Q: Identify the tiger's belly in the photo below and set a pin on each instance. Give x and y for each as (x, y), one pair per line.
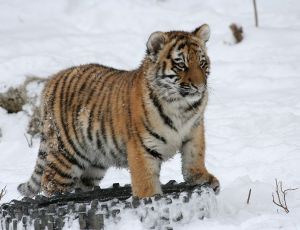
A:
(108, 153)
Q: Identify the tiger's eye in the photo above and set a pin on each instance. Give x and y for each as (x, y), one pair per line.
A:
(181, 65)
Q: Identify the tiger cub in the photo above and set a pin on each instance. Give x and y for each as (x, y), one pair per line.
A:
(95, 117)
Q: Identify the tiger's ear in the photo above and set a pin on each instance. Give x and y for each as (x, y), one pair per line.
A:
(155, 42)
(202, 32)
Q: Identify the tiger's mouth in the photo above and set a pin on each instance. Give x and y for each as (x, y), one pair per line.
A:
(190, 90)
(186, 91)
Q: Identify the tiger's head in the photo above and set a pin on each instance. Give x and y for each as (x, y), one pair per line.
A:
(180, 65)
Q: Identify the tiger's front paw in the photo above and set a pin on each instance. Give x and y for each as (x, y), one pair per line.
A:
(206, 179)
(214, 183)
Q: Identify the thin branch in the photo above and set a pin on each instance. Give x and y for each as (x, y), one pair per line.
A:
(290, 189)
(277, 192)
(29, 142)
(255, 13)
(249, 195)
(281, 196)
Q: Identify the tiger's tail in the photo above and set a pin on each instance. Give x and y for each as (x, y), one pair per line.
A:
(33, 185)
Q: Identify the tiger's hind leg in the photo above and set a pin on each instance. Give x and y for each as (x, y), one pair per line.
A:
(91, 177)
(62, 169)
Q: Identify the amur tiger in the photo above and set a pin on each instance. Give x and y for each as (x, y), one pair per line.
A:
(95, 117)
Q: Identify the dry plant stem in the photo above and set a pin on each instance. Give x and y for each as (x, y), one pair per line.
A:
(237, 32)
(249, 195)
(14, 98)
(281, 196)
(29, 142)
(255, 13)
(3, 192)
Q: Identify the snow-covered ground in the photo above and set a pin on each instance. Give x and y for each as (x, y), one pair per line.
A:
(253, 116)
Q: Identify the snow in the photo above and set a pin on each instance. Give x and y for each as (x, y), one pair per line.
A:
(253, 115)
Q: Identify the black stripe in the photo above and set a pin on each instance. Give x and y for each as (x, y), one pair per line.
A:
(171, 50)
(63, 101)
(184, 142)
(98, 166)
(34, 180)
(145, 111)
(146, 123)
(89, 128)
(39, 169)
(152, 152)
(74, 114)
(162, 85)
(111, 111)
(99, 144)
(103, 117)
(108, 109)
(112, 153)
(182, 45)
(164, 68)
(94, 78)
(71, 93)
(193, 44)
(152, 133)
(81, 71)
(128, 108)
(194, 105)
(59, 171)
(71, 143)
(157, 104)
(42, 154)
(103, 129)
(60, 160)
(68, 156)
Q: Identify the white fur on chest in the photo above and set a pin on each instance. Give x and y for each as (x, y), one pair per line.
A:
(173, 138)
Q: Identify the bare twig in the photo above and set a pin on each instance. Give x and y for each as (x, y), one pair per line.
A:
(3, 192)
(29, 141)
(255, 13)
(249, 195)
(281, 196)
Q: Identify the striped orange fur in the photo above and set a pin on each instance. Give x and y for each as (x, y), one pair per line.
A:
(95, 117)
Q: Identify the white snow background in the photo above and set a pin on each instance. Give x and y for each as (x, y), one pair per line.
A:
(253, 114)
